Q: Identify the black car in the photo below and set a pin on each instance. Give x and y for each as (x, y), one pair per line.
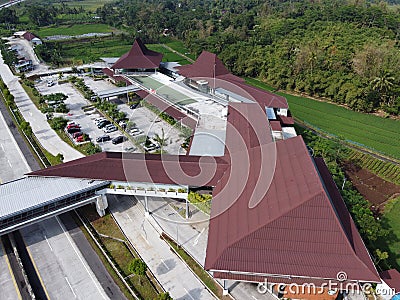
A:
(103, 124)
(103, 138)
(119, 139)
(133, 106)
(73, 130)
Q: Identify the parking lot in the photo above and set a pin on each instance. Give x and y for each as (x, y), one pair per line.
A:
(75, 102)
(145, 120)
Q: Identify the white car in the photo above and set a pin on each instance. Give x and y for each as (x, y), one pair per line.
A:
(110, 128)
(135, 131)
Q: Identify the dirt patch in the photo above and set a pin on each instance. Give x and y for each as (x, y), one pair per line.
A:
(375, 189)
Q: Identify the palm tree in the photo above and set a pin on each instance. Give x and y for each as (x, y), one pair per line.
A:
(383, 85)
(161, 140)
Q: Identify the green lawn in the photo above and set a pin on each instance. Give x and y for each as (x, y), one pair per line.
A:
(87, 5)
(369, 131)
(180, 47)
(77, 29)
(391, 243)
(168, 55)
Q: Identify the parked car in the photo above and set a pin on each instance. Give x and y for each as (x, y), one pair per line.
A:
(73, 130)
(119, 139)
(133, 106)
(103, 124)
(77, 134)
(110, 128)
(73, 126)
(50, 83)
(135, 131)
(103, 138)
(98, 120)
(150, 147)
(80, 139)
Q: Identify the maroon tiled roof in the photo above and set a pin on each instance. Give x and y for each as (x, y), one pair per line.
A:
(117, 78)
(138, 167)
(391, 278)
(208, 66)
(139, 57)
(271, 214)
(29, 36)
(275, 212)
(286, 120)
(275, 125)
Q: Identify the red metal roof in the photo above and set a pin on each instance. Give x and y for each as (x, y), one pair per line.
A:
(275, 125)
(274, 211)
(271, 214)
(29, 36)
(208, 66)
(391, 278)
(139, 57)
(138, 167)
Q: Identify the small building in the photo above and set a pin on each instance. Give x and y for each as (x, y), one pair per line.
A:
(138, 59)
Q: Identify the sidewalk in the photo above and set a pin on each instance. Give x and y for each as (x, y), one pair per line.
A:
(170, 271)
(42, 130)
(192, 236)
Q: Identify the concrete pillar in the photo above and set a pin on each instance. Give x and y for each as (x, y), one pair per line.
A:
(146, 207)
(225, 291)
(101, 205)
(187, 209)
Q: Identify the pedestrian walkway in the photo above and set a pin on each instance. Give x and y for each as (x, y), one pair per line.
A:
(47, 137)
(192, 235)
(170, 271)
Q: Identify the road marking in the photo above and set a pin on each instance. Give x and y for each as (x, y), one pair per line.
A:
(48, 243)
(80, 258)
(164, 263)
(147, 242)
(254, 298)
(129, 218)
(30, 113)
(70, 286)
(196, 241)
(2, 147)
(11, 272)
(188, 293)
(36, 269)
(9, 163)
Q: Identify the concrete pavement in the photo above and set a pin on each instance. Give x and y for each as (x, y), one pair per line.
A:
(192, 235)
(63, 270)
(9, 289)
(170, 271)
(46, 136)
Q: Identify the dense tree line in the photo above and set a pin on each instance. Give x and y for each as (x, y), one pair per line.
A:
(345, 51)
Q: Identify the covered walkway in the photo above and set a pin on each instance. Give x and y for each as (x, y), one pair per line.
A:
(106, 94)
(31, 199)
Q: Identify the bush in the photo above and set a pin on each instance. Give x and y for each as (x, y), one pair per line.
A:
(58, 123)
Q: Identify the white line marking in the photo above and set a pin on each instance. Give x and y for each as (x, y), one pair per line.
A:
(188, 293)
(80, 258)
(2, 147)
(197, 238)
(9, 163)
(145, 239)
(129, 218)
(254, 298)
(70, 286)
(48, 243)
(164, 263)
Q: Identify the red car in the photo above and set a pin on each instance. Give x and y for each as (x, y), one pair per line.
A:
(80, 138)
(73, 126)
(77, 134)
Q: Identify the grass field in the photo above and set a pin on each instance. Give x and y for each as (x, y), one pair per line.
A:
(168, 54)
(391, 243)
(89, 5)
(73, 29)
(180, 47)
(369, 131)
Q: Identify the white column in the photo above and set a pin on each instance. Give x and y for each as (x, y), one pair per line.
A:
(101, 205)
